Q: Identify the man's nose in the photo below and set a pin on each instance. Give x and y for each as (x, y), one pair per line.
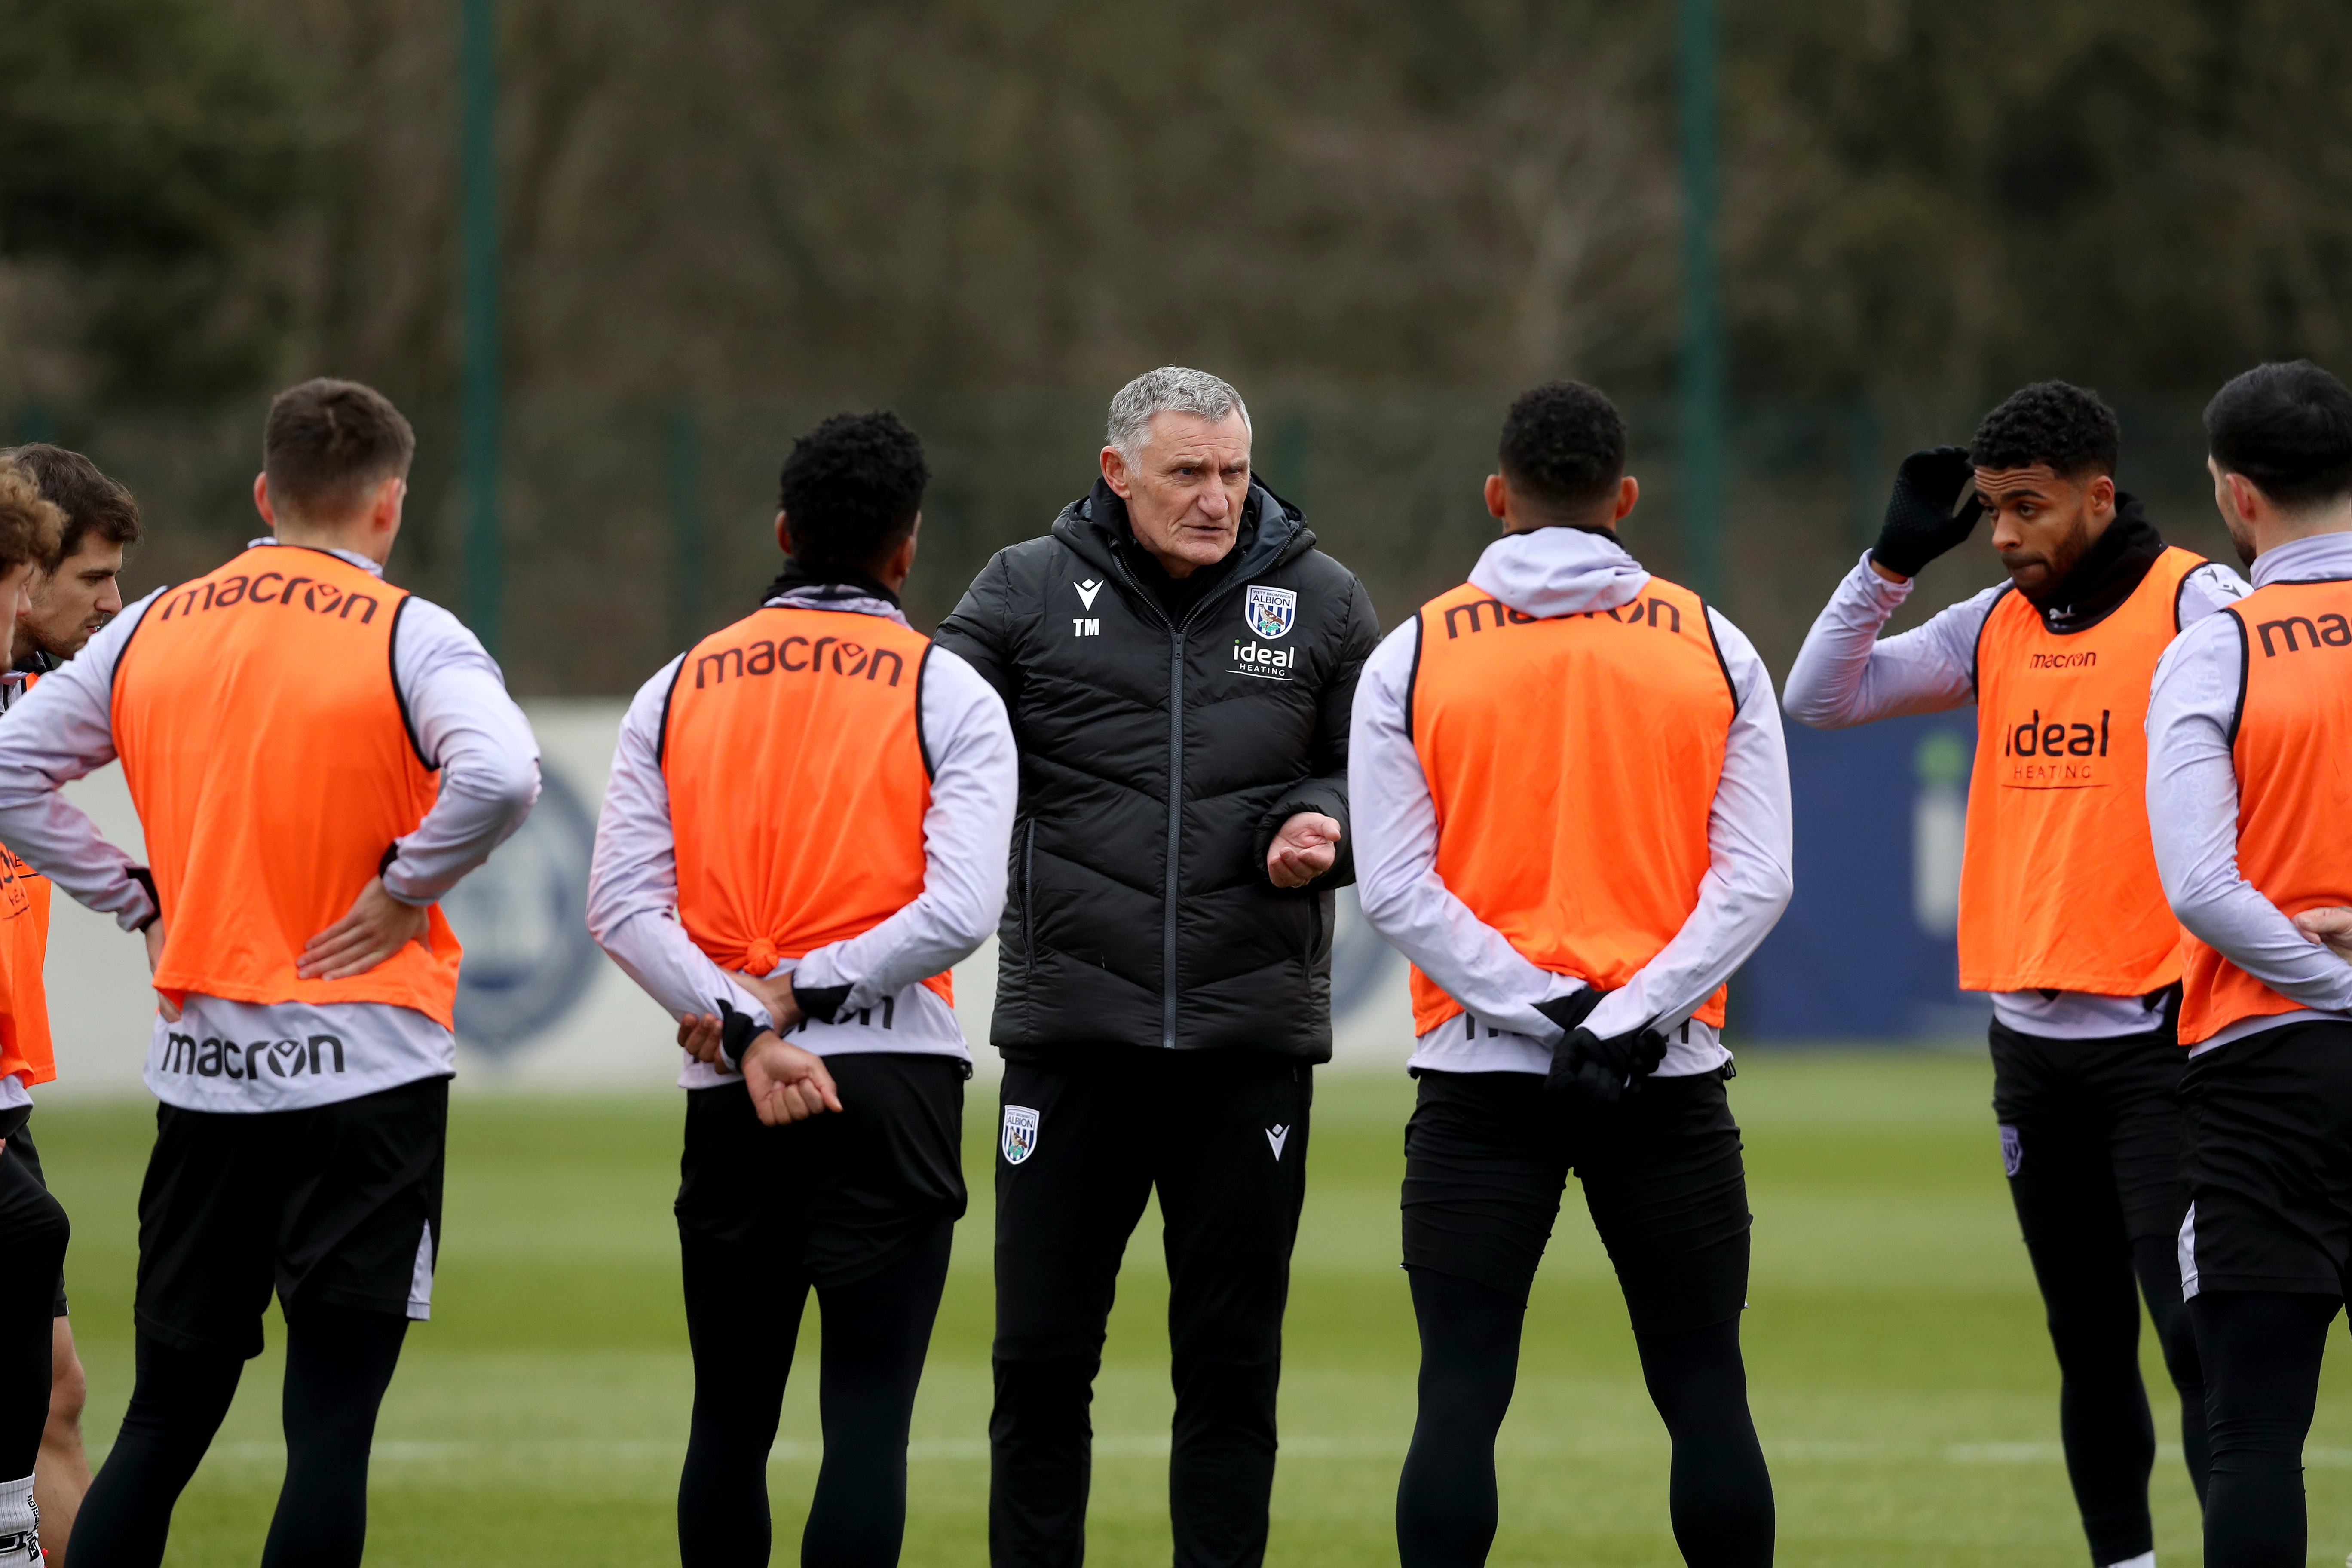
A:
(2006, 534)
(1216, 503)
(110, 598)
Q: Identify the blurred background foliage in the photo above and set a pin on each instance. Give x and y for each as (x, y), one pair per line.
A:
(1380, 217)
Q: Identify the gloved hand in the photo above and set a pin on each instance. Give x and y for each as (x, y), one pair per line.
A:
(1590, 1067)
(1934, 507)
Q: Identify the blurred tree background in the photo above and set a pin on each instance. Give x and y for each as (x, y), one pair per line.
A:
(723, 218)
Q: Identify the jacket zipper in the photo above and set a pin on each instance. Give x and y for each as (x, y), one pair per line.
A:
(1177, 634)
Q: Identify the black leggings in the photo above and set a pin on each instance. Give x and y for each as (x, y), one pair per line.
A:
(34, 1229)
(338, 1364)
(2262, 1353)
(1721, 1495)
(876, 1330)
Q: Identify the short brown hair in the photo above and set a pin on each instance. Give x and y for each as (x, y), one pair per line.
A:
(327, 441)
(29, 522)
(91, 502)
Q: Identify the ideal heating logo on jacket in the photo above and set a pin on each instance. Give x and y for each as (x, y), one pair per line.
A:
(2047, 751)
(226, 1058)
(765, 658)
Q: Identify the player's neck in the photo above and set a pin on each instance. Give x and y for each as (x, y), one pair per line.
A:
(360, 537)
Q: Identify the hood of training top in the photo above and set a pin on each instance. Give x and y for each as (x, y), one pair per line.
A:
(1160, 750)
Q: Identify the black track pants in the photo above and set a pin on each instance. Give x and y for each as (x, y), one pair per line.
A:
(1720, 1493)
(33, 1231)
(338, 1364)
(2090, 1133)
(2262, 1353)
(743, 1320)
(1222, 1137)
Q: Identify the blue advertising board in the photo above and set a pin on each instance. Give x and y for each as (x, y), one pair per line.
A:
(1866, 950)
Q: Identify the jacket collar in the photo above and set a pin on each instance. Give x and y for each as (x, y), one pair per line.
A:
(2107, 574)
(1096, 530)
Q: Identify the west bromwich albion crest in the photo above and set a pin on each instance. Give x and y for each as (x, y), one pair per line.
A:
(1270, 611)
(1020, 1133)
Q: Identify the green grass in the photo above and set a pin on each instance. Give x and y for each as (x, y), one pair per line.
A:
(1901, 1379)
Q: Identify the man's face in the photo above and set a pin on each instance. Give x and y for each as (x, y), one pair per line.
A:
(1185, 491)
(64, 608)
(2043, 522)
(2241, 530)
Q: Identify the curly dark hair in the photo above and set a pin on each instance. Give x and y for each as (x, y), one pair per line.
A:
(2052, 422)
(1563, 447)
(851, 488)
(2287, 427)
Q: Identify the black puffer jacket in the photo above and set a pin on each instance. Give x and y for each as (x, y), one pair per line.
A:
(1157, 761)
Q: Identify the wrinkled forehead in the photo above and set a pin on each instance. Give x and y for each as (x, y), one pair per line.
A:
(1187, 438)
(2036, 479)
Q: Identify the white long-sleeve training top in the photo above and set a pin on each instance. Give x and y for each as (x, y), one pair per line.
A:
(1548, 572)
(967, 835)
(2192, 807)
(1845, 675)
(247, 1057)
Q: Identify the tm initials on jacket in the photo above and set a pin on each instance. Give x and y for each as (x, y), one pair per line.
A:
(1159, 752)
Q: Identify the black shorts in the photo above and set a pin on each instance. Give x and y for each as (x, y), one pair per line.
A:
(2266, 1161)
(1487, 1156)
(2082, 1118)
(337, 1204)
(844, 1194)
(20, 1144)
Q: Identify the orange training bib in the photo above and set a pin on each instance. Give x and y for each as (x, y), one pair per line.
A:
(1573, 762)
(2294, 783)
(2058, 883)
(793, 750)
(271, 759)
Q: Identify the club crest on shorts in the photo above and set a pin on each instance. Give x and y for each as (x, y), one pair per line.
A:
(1020, 1133)
(1270, 611)
(2013, 1152)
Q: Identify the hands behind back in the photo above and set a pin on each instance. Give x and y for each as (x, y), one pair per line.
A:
(787, 1083)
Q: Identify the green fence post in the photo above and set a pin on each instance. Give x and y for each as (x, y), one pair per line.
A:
(689, 563)
(479, 156)
(1702, 349)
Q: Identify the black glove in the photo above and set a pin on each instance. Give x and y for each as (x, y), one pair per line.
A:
(1934, 507)
(1592, 1068)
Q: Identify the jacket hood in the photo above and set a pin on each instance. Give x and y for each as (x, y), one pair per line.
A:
(1548, 572)
(1271, 531)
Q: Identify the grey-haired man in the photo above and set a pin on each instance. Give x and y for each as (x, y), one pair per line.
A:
(1179, 661)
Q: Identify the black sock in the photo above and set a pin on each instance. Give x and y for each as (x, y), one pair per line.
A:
(876, 1332)
(338, 1364)
(2156, 1260)
(2261, 1351)
(177, 1402)
(1721, 1493)
(1469, 1361)
(34, 1230)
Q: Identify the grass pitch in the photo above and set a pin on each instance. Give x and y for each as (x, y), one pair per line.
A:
(1901, 1379)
